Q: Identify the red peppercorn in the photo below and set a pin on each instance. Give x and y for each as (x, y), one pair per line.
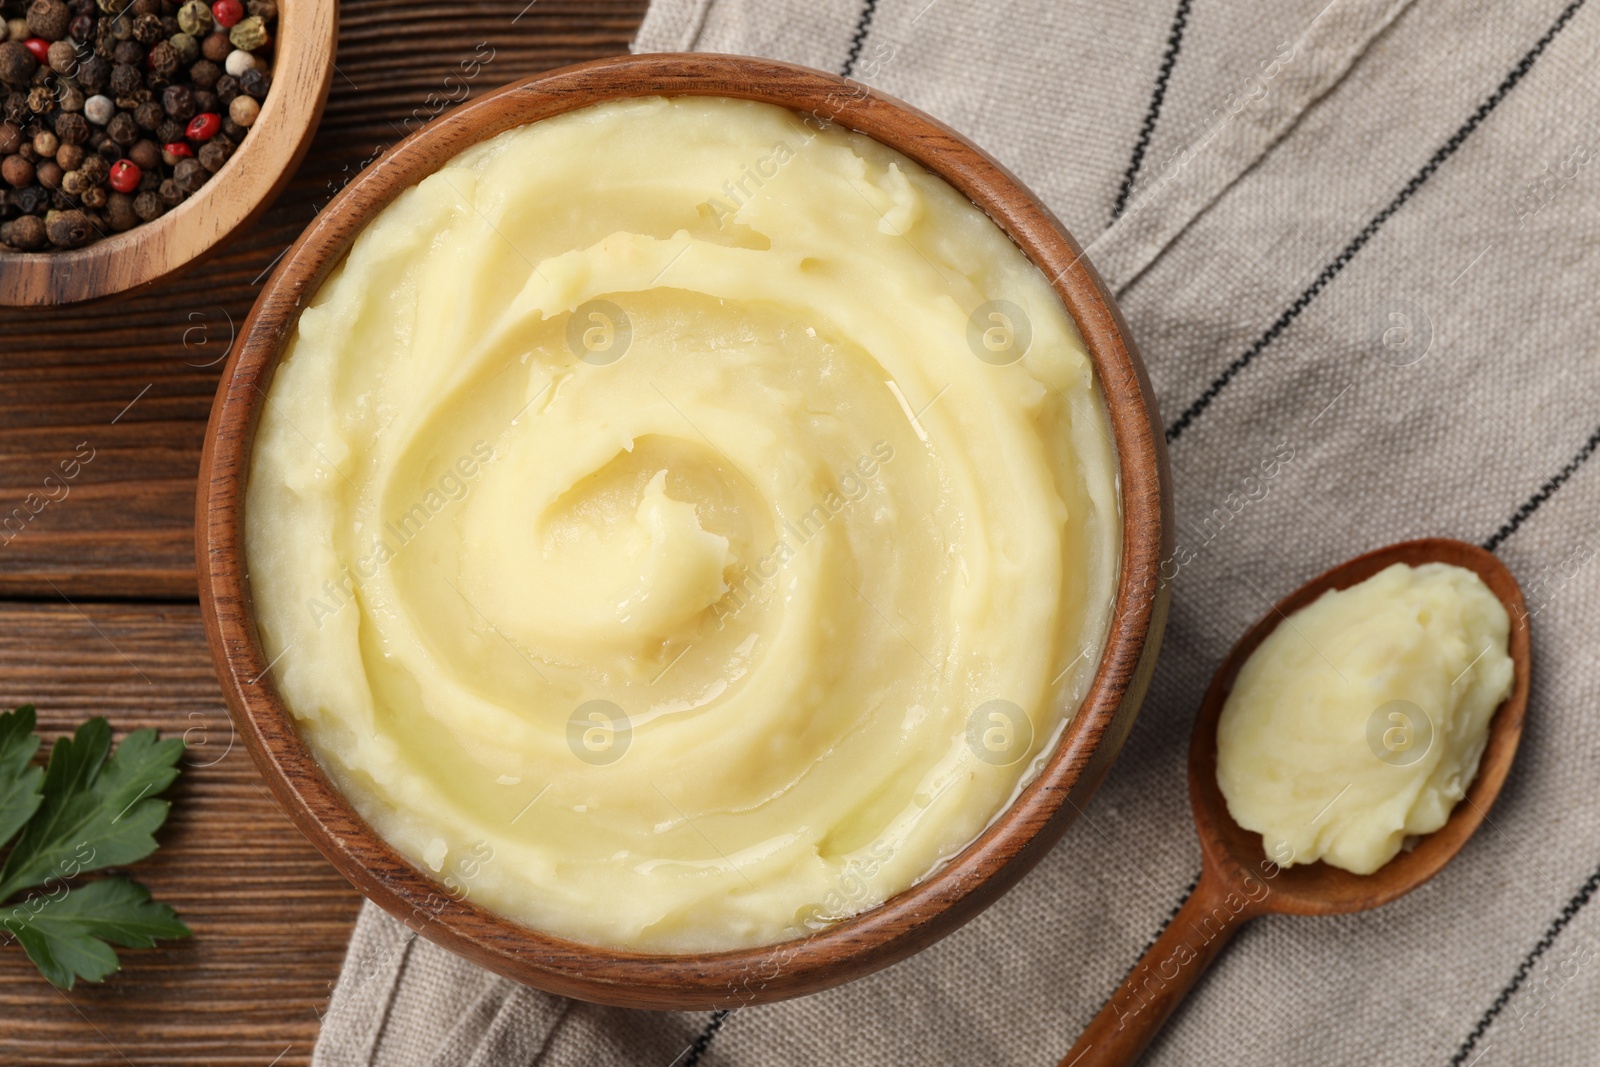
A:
(125, 175)
(177, 148)
(227, 12)
(205, 125)
(41, 47)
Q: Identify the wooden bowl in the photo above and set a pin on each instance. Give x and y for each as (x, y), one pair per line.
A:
(302, 72)
(907, 922)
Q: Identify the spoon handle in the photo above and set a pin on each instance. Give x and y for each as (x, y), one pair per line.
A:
(1153, 989)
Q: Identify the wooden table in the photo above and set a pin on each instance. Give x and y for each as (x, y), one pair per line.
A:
(97, 591)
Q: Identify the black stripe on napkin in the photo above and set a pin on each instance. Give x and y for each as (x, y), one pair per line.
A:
(863, 24)
(703, 1042)
(1569, 911)
(1157, 96)
(1546, 491)
(1359, 241)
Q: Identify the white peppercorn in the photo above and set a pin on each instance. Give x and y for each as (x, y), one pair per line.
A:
(238, 62)
(99, 109)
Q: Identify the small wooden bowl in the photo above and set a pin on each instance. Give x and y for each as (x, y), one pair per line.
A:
(302, 72)
(906, 923)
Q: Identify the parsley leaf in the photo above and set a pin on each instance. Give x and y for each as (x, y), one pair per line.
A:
(66, 937)
(19, 783)
(97, 812)
(89, 808)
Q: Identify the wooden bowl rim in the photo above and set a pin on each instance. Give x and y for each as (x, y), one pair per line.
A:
(155, 250)
(938, 904)
(1320, 888)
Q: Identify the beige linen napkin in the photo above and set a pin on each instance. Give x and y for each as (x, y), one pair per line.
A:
(1365, 234)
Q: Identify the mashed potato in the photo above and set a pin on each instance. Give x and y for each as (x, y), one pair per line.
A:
(680, 526)
(1360, 720)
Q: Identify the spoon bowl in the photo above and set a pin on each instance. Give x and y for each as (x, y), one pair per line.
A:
(1238, 880)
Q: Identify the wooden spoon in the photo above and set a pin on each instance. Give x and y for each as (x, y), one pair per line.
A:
(1238, 881)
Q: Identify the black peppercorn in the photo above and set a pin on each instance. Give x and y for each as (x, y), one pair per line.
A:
(120, 213)
(146, 153)
(169, 131)
(205, 74)
(81, 27)
(170, 193)
(41, 99)
(94, 74)
(129, 52)
(125, 80)
(205, 100)
(32, 200)
(72, 128)
(17, 64)
(10, 138)
(149, 115)
(123, 129)
(144, 7)
(255, 83)
(121, 29)
(214, 153)
(150, 179)
(15, 108)
(147, 29)
(263, 9)
(227, 89)
(48, 19)
(178, 102)
(96, 169)
(232, 129)
(149, 205)
(190, 175)
(169, 26)
(68, 229)
(109, 151)
(163, 62)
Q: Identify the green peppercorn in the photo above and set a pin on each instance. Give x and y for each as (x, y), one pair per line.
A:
(186, 47)
(194, 18)
(248, 34)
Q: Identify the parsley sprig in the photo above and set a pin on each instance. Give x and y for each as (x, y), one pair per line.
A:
(89, 808)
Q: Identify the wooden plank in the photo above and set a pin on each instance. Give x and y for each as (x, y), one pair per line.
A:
(132, 378)
(271, 918)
